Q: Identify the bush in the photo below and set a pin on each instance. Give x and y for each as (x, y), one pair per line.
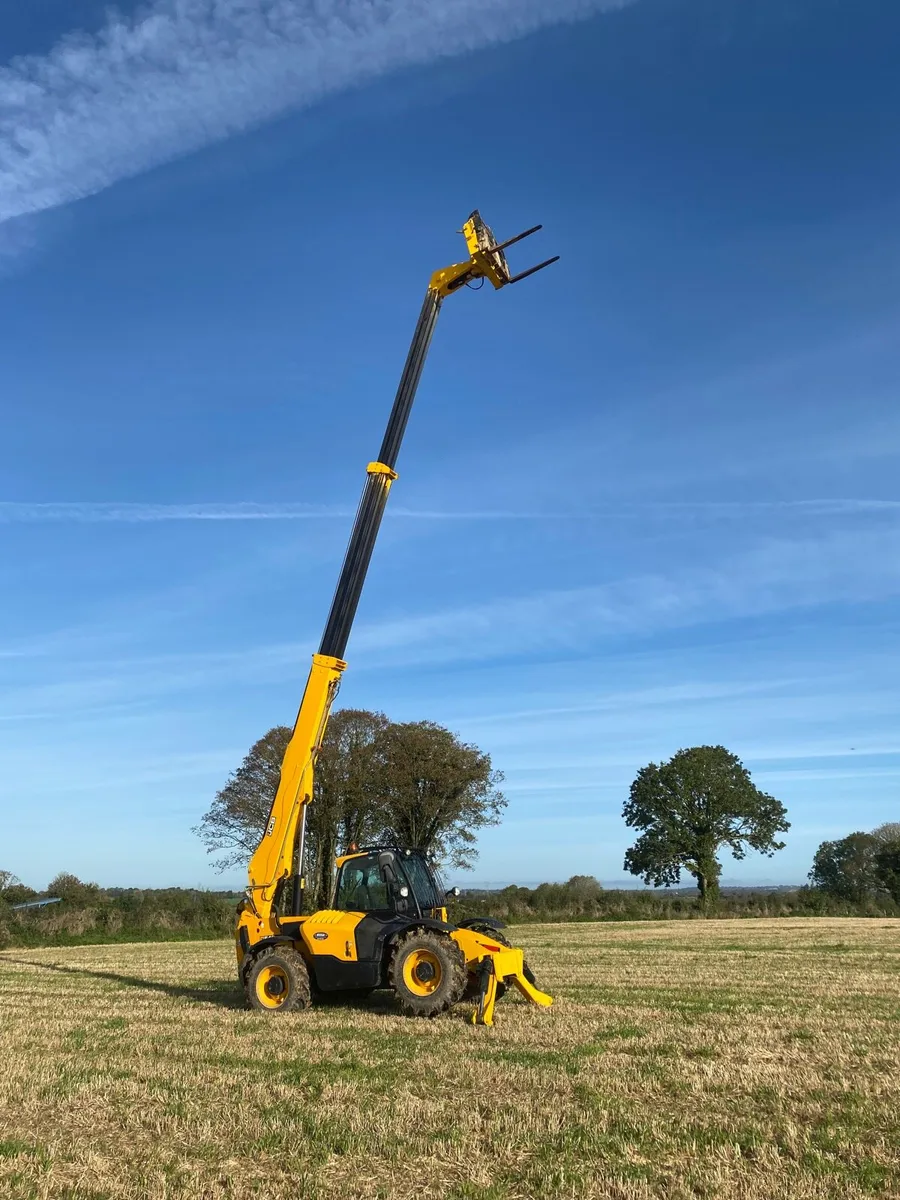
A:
(73, 891)
(89, 914)
(574, 901)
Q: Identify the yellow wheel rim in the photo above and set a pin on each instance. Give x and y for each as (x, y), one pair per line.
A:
(272, 987)
(422, 972)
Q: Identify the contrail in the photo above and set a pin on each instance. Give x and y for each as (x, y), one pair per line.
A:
(12, 511)
(69, 511)
(181, 74)
(135, 513)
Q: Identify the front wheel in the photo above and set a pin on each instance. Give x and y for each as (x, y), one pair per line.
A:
(278, 981)
(427, 973)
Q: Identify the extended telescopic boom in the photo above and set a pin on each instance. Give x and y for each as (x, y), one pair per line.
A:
(282, 845)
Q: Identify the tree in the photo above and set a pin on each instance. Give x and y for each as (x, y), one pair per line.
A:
(689, 808)
(887, 867)
(234, 822)
(585, 887)
(416, 784)
(846, 868)
(13, 891)
(888, 832)
(70, 888)
(343, 809)
(436, 790)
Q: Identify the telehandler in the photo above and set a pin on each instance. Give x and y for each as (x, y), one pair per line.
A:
(388, 924)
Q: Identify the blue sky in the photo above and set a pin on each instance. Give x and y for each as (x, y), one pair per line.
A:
(648, 499)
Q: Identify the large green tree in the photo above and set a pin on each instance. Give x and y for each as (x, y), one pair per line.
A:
(887, 868)
(343, 808)
(692, 806)
(845, 868)
(415, 784)
(435, 790)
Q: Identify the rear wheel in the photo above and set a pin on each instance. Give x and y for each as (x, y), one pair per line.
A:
(278, 981)
(427, 973)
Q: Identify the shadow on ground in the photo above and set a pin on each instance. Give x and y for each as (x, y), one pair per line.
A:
(224, 994)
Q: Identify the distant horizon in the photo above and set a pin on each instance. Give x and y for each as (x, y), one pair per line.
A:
(463, 884)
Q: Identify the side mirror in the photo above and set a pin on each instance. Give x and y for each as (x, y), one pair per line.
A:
(452, 894)
(386, 860)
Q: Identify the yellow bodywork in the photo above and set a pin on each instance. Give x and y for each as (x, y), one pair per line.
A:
(273, 858)
(506, 964)
(336, 930)
(273, 862)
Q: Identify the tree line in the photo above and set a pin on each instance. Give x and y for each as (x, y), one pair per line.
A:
(418, 784)
(91, 915)
(860, 866)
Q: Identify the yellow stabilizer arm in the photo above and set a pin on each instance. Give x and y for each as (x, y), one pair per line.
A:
(508, 966)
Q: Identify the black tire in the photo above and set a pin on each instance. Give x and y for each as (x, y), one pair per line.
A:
(278, 981)
(427, 972)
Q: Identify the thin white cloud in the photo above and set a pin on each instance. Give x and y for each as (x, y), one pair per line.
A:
(131, 513)
(105, 512)
(181, 74)
(779, 575)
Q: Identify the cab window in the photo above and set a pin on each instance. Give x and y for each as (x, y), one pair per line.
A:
(361, 886)
(422, 882)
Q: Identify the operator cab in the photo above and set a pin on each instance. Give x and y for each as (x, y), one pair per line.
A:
(386, 880)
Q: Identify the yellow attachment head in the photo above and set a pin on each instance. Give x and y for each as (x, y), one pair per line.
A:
(486, 259)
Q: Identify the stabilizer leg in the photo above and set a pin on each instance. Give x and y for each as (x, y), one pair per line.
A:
(530, 992)
(487, 996)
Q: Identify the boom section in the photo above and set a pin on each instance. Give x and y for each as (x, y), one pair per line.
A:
(274, 857)
(281, 850)
(381, 474)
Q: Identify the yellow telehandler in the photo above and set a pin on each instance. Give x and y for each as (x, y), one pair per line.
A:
(388, 924)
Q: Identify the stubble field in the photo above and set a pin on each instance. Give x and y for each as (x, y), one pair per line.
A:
(732, 1060)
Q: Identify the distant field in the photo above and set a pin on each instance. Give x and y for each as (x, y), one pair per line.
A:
(722, 1060)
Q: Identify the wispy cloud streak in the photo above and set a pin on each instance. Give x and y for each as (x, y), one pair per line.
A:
(129, 512)
(181, 74)
(137, 513)
(852, 567)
